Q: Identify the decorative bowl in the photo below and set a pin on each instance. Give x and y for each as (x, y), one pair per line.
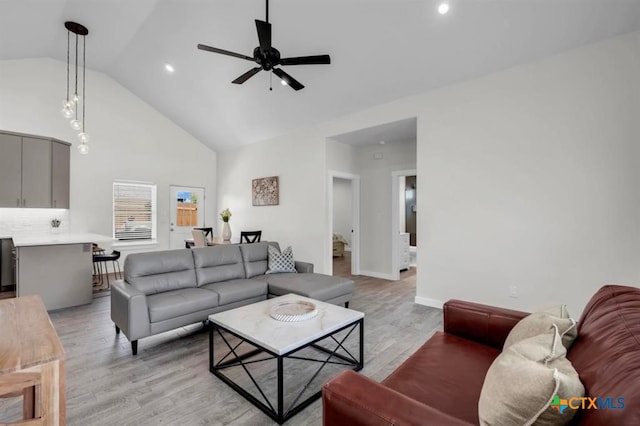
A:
(293, 311)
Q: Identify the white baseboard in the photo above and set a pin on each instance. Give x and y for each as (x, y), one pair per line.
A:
(433, 303)
(380, 275)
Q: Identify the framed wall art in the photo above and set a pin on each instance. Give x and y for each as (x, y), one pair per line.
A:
(265, 191)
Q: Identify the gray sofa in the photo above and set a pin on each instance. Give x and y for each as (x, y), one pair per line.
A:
(164, 290)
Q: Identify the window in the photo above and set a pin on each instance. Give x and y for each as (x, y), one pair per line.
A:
(134, 211)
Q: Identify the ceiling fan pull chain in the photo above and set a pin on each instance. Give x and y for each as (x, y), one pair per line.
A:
(270, 78)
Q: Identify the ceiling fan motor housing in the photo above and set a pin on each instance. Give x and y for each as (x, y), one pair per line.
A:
(266, 59)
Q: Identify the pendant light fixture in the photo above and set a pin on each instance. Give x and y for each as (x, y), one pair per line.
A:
(71, 105)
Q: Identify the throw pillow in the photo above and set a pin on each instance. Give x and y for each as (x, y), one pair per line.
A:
(280, 262)
(541, 322)
(530, 382)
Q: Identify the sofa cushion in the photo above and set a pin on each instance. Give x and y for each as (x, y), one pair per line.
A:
(540, 322)
(255, 257)
(607, 354)
(532, 381)
(236, 290)
(175, 303)
(280, 262)
(217, 263)
(445, 373)
(316, 286)
(160, 271)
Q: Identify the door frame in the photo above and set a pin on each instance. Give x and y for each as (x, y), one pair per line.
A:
(355, 221)
(204, 197)
(395, 219)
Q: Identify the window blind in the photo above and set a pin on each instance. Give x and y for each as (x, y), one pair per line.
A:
(134, 211)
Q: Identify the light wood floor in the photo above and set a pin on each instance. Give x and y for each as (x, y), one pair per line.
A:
(169, 381)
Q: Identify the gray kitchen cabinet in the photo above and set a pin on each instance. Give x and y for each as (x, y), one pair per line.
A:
(10, 170)
(60, 154)
(34, 171)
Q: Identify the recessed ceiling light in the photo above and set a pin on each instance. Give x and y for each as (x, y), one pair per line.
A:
(169, 68)
(284, 83)
(381, 142)
(443, 8)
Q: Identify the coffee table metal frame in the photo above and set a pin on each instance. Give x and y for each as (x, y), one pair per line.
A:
(279, 413)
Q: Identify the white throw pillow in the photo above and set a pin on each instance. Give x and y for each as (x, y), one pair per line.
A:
(528, 384)
(540, 322)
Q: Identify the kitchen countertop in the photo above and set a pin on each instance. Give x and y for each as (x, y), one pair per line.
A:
(57, 239)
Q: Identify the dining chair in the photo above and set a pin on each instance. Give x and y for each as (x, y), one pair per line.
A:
(199, 238)
(208, 232)
(250, 236)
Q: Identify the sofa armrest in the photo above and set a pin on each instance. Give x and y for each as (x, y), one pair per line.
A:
(304, 267)
(129, 310)
(353, 399)
(489, 325)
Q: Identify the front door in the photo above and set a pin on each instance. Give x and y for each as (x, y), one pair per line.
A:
(187, 212)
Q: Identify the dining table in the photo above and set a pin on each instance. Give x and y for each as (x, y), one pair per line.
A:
(216, 241)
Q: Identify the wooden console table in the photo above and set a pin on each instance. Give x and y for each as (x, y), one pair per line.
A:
(32, 361)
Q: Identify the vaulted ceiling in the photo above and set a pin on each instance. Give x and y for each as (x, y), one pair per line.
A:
(381, 50)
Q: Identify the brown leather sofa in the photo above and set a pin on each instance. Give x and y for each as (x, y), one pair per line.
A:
(440, 383)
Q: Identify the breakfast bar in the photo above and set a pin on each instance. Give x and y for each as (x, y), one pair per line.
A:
(57, 267)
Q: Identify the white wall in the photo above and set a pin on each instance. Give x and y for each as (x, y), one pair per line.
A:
(376, 202)
(529, 178)
(341, 157)
(342, 209)
(375, 194)
(299, 220)
(129, 140)
(526, 177)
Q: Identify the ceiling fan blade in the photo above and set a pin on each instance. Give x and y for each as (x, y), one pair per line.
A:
(307, 60)
(223, 52)
(295, 84)
(264, 35)
(247, 75)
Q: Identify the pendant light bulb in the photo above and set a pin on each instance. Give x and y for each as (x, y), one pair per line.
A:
(83, 148)
(84, 137)
(75, 99)
(75, 124)
(67, 112)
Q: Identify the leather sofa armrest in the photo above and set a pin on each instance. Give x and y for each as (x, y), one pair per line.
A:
(353, 399)
(489, 325)
(304, 267)
(129, 310)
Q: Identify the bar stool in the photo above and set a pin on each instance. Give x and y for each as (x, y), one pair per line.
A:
(98, 259)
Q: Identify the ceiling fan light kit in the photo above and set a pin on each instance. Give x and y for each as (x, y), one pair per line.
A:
(268, 57)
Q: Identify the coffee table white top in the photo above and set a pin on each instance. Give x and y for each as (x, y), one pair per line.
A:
(254, 323)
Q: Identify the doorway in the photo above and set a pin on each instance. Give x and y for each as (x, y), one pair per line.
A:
(403, 220)
(187, 212)
(344, 223)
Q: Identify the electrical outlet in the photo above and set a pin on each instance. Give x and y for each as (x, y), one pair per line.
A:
(513, 291)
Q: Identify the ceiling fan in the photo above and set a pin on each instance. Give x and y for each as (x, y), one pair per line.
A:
(268, 57)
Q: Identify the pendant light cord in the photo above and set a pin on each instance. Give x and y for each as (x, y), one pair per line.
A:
(84, 93)
(68, 42)
(76, 92)
(76, 109)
